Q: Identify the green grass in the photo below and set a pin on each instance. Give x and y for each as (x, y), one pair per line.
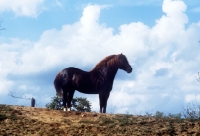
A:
(6, 112)
(105, 121)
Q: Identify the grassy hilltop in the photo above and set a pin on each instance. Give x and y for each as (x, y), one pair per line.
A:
(21, 120)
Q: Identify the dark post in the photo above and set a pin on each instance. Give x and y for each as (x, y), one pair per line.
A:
(32, 102)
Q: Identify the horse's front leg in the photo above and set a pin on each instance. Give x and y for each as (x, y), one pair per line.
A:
(100, 103)
(103, 98)
(100, 108)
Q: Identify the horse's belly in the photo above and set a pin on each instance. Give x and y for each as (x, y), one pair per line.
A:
(88, 91)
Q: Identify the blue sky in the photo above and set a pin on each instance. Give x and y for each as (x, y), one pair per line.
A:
(159, 37)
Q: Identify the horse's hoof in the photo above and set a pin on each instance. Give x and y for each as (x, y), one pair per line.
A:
(68, 109)
(64, 109)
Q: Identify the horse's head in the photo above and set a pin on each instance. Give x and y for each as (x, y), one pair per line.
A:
(123, 63)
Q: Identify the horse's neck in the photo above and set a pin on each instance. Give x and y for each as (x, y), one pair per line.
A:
(109, 72)
(113, 72)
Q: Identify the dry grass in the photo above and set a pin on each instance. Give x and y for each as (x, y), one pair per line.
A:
(19, 120)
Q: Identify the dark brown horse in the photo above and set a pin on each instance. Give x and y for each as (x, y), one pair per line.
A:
(97, 81)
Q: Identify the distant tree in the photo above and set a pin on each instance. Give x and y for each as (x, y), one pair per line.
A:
(78, 104)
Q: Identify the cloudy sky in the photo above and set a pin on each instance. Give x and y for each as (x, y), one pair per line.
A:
(159, 37)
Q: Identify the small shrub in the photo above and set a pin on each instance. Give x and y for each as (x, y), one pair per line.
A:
(148, 114)
(192, 112)
(159, 115)
(175, 116)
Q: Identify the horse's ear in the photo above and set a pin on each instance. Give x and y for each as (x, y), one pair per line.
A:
(121, 54)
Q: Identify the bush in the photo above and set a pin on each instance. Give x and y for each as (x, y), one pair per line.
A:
(56, 103)
(78, 104)
(81, 104)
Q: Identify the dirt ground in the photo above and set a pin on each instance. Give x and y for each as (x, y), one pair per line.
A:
(21, 120)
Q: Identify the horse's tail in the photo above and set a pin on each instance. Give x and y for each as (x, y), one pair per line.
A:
(58, 85)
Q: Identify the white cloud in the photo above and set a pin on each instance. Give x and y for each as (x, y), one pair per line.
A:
(90, 15)
(164, 58)
(29, 8)
(170, 27)
(5, 86)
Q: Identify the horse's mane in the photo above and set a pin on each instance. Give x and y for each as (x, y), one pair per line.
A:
(108, 61)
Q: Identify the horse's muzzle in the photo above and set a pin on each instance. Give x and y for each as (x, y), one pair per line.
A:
(129, 70)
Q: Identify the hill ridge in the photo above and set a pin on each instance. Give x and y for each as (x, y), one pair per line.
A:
(22, 120)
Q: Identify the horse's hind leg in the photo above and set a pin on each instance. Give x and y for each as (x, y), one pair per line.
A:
(68, 94)
(69, 99)
(64, 99)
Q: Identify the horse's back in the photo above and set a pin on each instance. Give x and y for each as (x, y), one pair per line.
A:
(68, 76)
(68, 73)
